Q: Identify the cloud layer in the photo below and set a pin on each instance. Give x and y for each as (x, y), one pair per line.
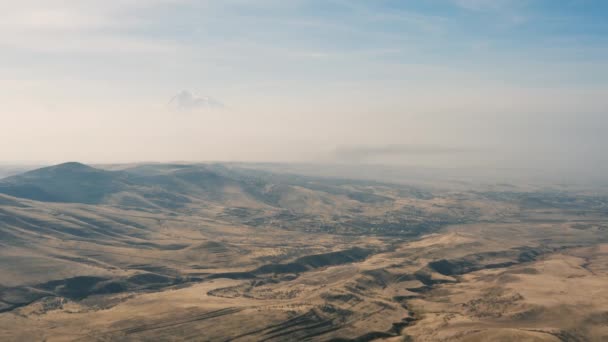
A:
(366, 153)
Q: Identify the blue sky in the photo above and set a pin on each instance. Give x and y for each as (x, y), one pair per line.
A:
(298, 80)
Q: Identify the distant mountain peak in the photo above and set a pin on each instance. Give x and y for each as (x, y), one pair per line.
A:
(72, 166)
(65, 169)
(67, 182)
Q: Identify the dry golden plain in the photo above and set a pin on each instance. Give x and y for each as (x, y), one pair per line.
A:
(252, 258)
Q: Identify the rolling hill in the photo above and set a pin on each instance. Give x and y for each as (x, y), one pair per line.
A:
(180, 251)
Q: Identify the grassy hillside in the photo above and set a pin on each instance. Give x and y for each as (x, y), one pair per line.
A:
(178, 251)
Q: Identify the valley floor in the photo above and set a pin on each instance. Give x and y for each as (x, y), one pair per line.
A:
(467, 283)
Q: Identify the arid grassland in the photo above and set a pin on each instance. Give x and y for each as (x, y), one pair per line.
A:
(212, 252)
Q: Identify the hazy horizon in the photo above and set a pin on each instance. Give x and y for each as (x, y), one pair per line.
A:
(455, 83)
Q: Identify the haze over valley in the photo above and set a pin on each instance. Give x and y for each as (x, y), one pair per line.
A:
(304, 170)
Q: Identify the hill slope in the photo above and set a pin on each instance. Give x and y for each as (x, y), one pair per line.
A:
(68, 182)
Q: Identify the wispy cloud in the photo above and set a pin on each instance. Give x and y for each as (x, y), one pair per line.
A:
(79, 27)
(187, 101)
(481, 5)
